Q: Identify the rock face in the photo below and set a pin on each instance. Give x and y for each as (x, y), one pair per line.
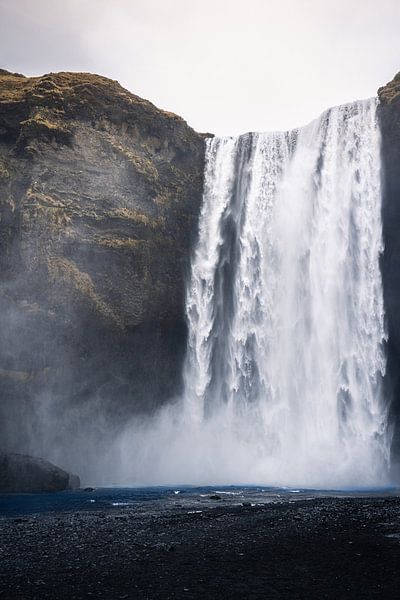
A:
(99, 197)
(20, 473)
(389, 114)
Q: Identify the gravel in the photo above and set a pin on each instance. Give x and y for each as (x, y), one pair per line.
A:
(317, 548)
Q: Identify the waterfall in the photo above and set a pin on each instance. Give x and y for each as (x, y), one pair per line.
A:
(285, 359)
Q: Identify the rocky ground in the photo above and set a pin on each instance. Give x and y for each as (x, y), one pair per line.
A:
(316, 548)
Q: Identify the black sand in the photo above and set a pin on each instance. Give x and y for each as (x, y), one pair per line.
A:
(321, 548)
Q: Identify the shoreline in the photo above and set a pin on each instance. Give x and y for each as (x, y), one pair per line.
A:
(324, 547)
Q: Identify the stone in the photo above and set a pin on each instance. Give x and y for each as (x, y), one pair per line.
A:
(99, 197)
(389, 117)
(20, 473)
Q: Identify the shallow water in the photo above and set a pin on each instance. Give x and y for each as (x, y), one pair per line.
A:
(155, 498)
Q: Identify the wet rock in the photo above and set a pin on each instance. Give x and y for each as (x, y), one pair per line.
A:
(245, 554)
(389, 117)
(22, 473)
(21, 520)
(99, 197)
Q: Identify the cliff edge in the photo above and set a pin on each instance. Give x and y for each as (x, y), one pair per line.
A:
(389, 116)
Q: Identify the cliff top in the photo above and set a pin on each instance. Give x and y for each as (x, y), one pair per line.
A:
(73, 95)
(390, 93)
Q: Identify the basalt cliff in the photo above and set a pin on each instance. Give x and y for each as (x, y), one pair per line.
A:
(389, 116)
(99, 197)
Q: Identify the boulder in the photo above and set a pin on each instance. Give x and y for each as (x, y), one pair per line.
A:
(22, 473)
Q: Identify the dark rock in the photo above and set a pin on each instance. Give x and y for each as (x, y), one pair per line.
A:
(21, 473)
(99, 197)
(389, 116)
(215, 497)
(258, 554)
(89, 489)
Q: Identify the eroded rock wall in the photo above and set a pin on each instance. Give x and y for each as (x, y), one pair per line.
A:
(99, 197)
(389, 115)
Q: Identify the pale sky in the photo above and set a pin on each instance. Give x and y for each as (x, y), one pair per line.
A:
(225, 66)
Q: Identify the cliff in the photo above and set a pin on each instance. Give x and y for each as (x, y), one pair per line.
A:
(99, 197)
(389, 115)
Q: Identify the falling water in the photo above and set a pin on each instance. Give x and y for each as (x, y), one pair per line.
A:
(283, 374)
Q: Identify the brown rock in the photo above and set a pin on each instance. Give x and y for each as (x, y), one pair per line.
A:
(99, 197)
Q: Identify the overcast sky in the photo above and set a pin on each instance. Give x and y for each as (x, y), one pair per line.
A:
(225, 66)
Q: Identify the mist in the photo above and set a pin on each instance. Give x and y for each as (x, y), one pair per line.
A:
(93, 311)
